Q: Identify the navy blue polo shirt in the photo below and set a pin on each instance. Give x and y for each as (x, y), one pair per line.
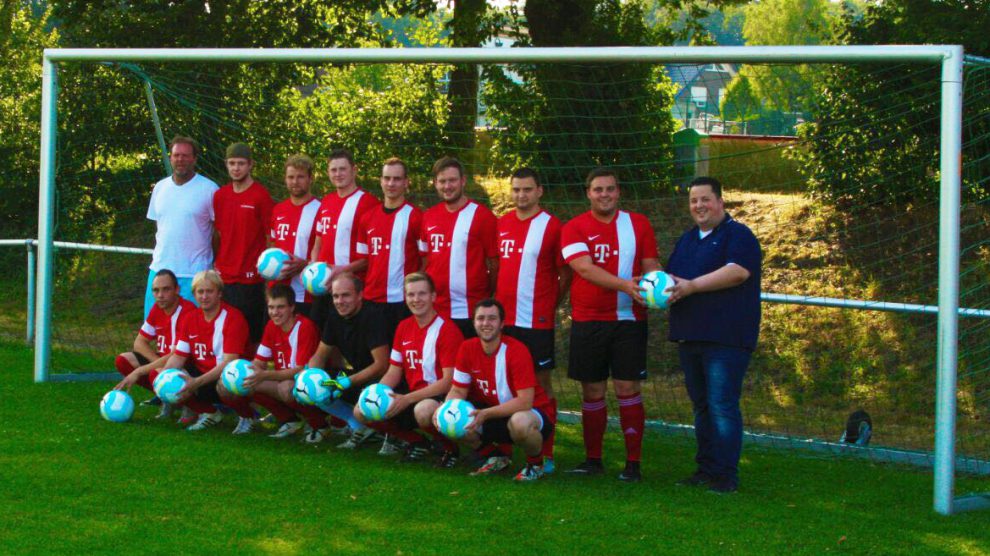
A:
(730, 316)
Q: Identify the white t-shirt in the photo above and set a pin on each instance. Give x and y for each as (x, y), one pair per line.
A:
(184, 217)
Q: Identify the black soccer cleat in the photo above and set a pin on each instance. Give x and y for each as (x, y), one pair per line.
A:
(631, 473)
(588, 467)
(700, 478)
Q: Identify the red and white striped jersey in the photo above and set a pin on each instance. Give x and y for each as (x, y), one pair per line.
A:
(336, 222)
(619, 247)
(423, 353)
(242, 221)
(163, 328)
(291, 349)
(494, 379)
(528, 282)
(457, 245)
(292, 230)
(206, 341)
(388, 239)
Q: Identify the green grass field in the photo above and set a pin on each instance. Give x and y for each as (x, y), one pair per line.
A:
(73, 483)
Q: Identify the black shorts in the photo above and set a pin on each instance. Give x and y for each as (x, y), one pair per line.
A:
(207, 392)
(496, 431)
(600, 349)
(467, 328)
(394, 314)
(142, 360)
(249, 299)
(541, 343)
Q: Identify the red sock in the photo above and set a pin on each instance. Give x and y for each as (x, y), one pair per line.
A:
(314, 416)
(282, 412)
(125, 368)
(390, 428)
(337, 422)
(240, 404)
(594, 419)
(535, 460)
(199, 406)
(548, 444)
(447, 443)
(632, 417)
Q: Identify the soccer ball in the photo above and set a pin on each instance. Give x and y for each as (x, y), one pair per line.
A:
(453, 416)
(234, 374)
(658, 286)
(316, 278)
(168, 384)
(374, 402)
(117, 406)
(309, 388)
(270, 263)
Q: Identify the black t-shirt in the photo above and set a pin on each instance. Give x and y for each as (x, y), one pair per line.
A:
(356, 336)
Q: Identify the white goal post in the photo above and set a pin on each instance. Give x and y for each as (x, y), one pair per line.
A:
(950, 58)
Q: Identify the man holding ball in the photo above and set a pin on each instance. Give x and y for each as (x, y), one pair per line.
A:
(715, 319)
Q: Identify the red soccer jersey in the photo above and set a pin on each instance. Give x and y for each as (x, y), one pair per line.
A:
(497, 378)
(163, 328)
(336, 223)
(389, 241)
(423, 353)
(206, 341)
(528, 282)
(289, 349)
(456, 245)
(619, 247)
(291, 230)
(242, 221)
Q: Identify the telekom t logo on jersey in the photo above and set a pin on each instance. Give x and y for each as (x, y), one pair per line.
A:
(325, 223)
(436, 242)
(376, 245)
(483, 385)
(281, 360)
(199, 350)
(282, 231)
(602, 252)
(506, 247)
(160, 341)
(411, 358)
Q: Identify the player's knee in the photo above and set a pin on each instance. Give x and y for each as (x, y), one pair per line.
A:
(423, 411)
(593, 390)
(521, 424)
(627, 387)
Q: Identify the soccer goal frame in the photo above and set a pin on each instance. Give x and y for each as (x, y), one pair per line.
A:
(950, 58)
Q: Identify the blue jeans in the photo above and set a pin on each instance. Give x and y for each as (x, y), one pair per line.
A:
(713, 374)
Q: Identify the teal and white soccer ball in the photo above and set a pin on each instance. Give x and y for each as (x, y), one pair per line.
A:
(374, 401)
(453, 416)
(168, 384)
(309, 388)
(117, 406)
(316, 278)
(658, 285)
(234, 374)
(271, 261)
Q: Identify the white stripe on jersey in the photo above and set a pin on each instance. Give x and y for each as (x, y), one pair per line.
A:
(294, 344)
(501, 378)
(430, 351)
(182, 347)
(396, 357)
(148, 329)
(175, 325)
(263, 352)
(626, 236)
(573, 249)
(460, 377)
(526, 284)
(304, 229)
(345, 222)
(218, 335)
(397, 256)
(458, 262)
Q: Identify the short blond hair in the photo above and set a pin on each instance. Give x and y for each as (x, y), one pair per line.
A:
(211, 276)
(301, 162)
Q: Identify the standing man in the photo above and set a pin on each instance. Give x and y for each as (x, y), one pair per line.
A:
(387, 240)
(495, 373)
(336, 223)
(532, 277)
(458, 241)
(715, 318)
(243, 210)
(606, 247)
(292, 226)
(353, 334)
(182, 207)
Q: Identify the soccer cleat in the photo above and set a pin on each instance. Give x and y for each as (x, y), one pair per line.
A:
(244, 425)
(631, 473)
(700, 478)
(530, 473)
(188, 417)
(151, 402)
(493, 465)
(548, 466)
(357, 438)
(723, 485)
(391, 446)
(205, 421)
(165, 411)
(315, 436)
(416, 453)
(448, 460)
(287, 429)
(588, 467)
